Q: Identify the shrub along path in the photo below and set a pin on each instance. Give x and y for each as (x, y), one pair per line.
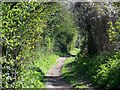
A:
(54, 77)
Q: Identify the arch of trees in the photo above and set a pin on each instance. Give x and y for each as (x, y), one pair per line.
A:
(27, 27)
(96, 22)
(50, 26)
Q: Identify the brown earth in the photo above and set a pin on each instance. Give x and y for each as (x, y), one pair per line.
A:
(54, 77)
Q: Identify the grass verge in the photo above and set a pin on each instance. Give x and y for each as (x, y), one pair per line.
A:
(70, 73)
(33, 70)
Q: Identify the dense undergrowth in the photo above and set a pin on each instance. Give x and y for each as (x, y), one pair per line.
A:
(34, 33)
(31, 34)
(35, 66)
(33, 75)
(70, 75)
(102, 70)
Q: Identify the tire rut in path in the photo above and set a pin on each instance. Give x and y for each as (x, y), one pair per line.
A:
(54, 77)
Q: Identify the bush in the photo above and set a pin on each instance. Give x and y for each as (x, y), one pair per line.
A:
(103, 70)
(33, 71)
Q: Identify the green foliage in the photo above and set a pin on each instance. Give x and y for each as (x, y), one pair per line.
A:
(27, 26)
(102, 70)
(114, 32)
(32, 30)
(24, 25)
(71, 74)
(108, 73)
(66, 33)
(74, 51)
(32, 75)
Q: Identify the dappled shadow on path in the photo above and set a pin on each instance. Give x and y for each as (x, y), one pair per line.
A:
(54, 78)
(57, 82)
(80, 78)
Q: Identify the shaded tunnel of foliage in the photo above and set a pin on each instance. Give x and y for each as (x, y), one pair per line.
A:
(98, 61)
(29, 33)
(34, 34)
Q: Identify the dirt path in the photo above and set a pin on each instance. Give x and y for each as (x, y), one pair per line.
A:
(54, 77)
